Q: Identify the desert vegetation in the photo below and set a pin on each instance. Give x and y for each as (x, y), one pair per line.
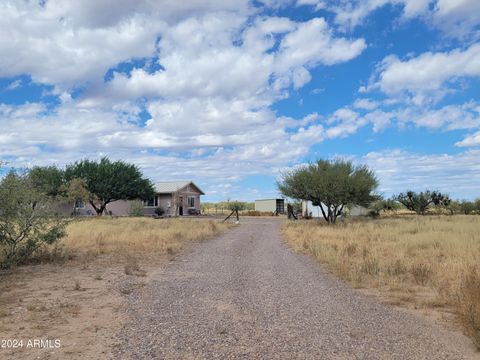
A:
(428, 261)
(331, 185)
(135, 236)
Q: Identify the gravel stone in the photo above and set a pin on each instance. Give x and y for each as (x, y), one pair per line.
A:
(245, 295)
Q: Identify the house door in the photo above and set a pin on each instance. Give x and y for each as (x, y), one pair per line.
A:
(180, 208)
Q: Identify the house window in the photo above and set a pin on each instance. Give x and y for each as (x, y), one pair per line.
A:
(191, 201)
(152, 202)
(79, 204)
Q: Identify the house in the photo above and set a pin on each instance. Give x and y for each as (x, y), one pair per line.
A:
(172, 197)
(270, 205)
(175, 198)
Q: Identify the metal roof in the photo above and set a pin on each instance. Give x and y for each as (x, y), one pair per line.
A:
(168, 187)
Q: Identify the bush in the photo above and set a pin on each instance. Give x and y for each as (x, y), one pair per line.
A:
(136, 210)
(159, 211)
(467, 207)
(27, 221)
(382, 206)
(257, 213)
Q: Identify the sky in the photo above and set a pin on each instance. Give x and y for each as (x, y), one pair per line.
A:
(233, 93)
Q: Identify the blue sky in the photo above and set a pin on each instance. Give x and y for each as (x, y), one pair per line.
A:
(232, 93)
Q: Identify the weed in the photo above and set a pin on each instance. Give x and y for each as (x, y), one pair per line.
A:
(421, 273)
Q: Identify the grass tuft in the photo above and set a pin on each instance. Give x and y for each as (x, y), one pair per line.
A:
(469, 303)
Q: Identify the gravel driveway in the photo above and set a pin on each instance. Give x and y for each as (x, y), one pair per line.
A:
(245, 295)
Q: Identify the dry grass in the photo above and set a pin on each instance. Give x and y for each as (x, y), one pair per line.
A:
(136, 236)
(408, 256)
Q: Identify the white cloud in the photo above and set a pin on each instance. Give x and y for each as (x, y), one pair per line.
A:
(220, 67)
(199, 58)
(454, 174)
(312, 43)
(365, 104)
(471, 140)
(14, 85)
(456, 18)
(426, 77)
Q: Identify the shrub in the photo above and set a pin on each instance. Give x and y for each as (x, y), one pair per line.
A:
(159, 211)
(27, 221)
(136, 210)
(257, 213)
(382, 206)
(421, 273)
(467, 207)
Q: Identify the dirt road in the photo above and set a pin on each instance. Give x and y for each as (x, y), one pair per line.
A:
(245, 295)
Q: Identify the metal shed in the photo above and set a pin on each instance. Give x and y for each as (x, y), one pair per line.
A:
(270, 205)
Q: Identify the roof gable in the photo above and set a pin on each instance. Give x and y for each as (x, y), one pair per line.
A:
(168, 187)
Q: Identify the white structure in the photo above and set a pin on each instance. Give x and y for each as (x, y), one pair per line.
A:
(270, 205)
(314, 211)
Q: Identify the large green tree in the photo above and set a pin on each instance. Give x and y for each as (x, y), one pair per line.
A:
(334, 184)
(47, 179)
(107, 181)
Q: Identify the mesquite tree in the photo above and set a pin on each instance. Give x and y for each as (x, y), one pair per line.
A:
(27, 220)
(331, 185)
(420, 202)
(107, 181)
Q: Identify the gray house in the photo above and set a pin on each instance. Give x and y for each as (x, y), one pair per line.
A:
(175, 198)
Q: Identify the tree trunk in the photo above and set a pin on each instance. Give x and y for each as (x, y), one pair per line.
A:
(323, 212)
(334, 214)
(99, 210)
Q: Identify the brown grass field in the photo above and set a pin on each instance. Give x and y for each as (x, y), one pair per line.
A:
(136, 236)
(76, 292)
(423, 262)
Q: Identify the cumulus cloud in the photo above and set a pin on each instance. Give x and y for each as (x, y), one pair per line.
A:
(471, 140)
(365, 104)
(426, 77)
(399, 170)
(190, 85)
(456, 18)
(349, 119)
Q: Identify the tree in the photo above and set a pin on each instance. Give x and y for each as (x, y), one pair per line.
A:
(107, 181)
(236, 205)
(420, 202)
(47, 180)
(477, 206)
(26, 219)
(467, 207)
(454, 207)
(383, 205)
(331, 185)
(75, 190)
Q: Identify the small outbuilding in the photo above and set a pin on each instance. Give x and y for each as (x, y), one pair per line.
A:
(270, 205)
(309, 210)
